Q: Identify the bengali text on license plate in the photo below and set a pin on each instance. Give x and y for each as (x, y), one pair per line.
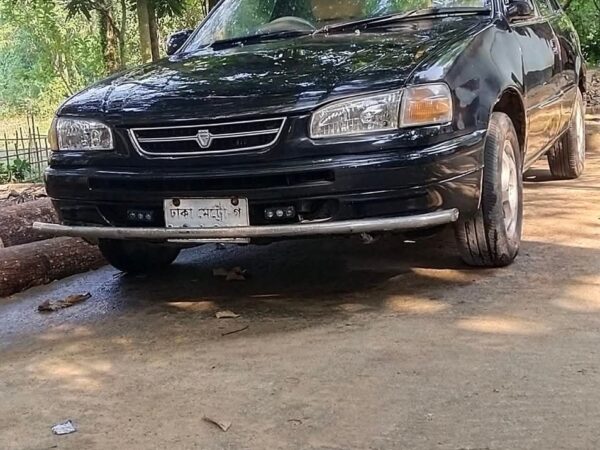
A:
(206, 212)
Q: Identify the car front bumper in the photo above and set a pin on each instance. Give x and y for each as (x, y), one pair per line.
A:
(398, 190)
(203, 235)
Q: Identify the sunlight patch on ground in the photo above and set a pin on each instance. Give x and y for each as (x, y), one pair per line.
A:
(78, 375)
(501, 325)
(406, 305)
(353, 307)
(580, 297)
(452, 275)
(194, 305)
(58, 333)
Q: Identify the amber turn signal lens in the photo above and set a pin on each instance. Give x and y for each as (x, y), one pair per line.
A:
(426, 105)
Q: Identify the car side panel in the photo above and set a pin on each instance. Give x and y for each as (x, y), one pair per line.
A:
(504, 56)
(571, 64)
(542, 76)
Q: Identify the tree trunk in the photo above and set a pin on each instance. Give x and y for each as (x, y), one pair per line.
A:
(144, 30)
(123, 34)
(16, 221)
(153, 27)
(37, 263)
(63, 72)
(109, 39)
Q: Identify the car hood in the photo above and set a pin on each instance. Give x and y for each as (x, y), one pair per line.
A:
(279, 77)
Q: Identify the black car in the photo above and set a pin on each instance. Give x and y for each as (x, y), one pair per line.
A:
(280, 119)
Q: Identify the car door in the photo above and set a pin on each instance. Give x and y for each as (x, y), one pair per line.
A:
(570, 60)
(542, 71)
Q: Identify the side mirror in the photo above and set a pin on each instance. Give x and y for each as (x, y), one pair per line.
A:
(176, 40)
(519, 9)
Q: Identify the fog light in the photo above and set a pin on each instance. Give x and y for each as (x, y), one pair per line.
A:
(286, 212)
(138, 215)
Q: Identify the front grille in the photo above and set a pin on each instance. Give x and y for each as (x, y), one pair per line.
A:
(211, 184)
(208, 139)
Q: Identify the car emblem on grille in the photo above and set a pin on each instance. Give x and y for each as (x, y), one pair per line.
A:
(204, 138)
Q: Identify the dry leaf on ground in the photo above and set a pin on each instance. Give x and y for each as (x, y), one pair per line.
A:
(222, 424)
(235, 331)
(226, 315)
(235, 274)
(55, 305)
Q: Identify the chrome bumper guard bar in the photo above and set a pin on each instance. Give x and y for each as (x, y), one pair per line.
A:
(267, 231)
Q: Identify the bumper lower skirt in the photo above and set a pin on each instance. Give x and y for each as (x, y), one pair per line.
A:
(267, 231)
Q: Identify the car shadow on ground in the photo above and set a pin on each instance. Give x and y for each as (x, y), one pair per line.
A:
(308, 275)
(354, 284)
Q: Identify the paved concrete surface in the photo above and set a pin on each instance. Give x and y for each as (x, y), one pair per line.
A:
(391, 345)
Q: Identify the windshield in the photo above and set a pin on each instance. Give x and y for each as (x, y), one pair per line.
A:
(235, 19)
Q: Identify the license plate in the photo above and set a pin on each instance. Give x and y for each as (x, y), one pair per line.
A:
(206, 212)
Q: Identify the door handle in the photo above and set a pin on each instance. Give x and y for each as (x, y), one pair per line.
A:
(555, 46)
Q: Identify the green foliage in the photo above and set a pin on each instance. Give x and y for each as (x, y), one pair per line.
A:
(4, 174)
(193, 13)
(19, 170)
(585, 15)
(43, 56)
(50, 49)
(170, 7)
(87, 7)
(83, 7)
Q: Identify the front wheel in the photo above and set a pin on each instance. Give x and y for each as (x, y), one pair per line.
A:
(491, 238)
(137, 257)
(567, 158)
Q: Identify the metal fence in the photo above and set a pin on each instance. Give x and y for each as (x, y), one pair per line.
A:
(24, 153)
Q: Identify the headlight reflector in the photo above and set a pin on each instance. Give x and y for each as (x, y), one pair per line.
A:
(80, 135)
(420, 105)
(365, 114)
(427, 104)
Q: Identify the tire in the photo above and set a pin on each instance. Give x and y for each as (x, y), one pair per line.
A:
(567, 158)
(491, 238)
(137, 257)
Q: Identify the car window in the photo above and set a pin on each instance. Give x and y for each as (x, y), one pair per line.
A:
(544, 7)
(555, 5)
(240, 18)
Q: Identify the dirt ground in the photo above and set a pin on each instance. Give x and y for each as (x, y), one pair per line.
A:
(391, 345)
(593, 89)
(13, 194)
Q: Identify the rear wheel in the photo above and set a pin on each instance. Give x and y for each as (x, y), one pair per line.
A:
(137, 257)
(567, 158)
(491, 238)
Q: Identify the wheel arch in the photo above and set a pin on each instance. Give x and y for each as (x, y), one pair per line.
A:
(510, 102)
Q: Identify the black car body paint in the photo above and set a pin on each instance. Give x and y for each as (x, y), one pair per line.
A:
(483, 58)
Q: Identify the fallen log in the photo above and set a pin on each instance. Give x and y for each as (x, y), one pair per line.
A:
(16, 221)
(37, 263)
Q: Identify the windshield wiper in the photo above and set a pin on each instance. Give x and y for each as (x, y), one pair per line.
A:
(256, 38)
(392, 18)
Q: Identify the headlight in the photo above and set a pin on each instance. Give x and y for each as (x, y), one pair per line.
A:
(357, 115)
(427, 104)
(79, 135)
